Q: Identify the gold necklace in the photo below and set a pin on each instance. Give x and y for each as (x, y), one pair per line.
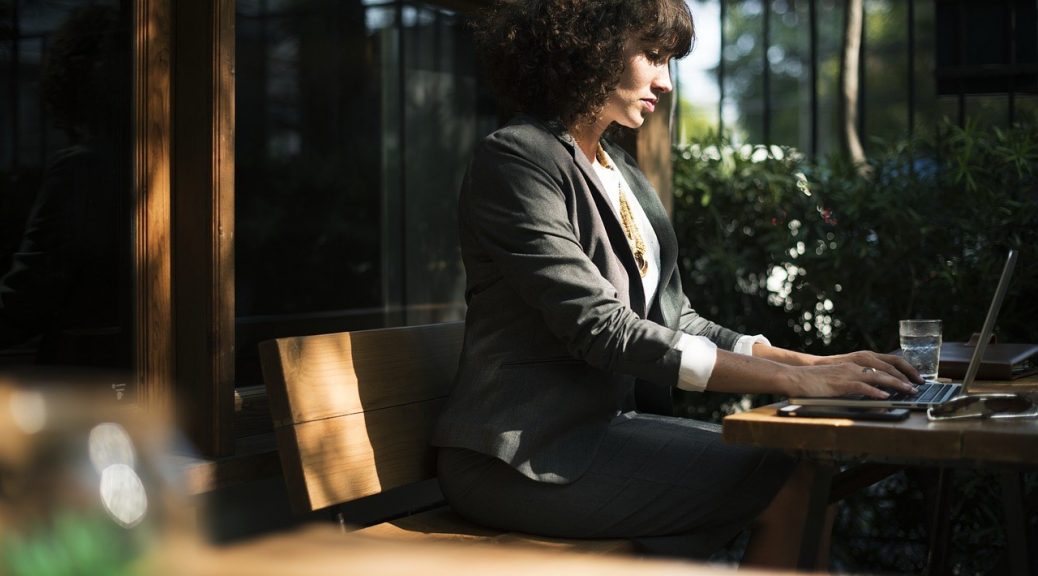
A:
(634, 237)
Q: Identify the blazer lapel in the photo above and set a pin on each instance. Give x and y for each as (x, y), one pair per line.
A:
(609, 217)
(656, 214)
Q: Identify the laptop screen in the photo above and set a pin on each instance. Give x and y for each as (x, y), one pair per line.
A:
(989, 321)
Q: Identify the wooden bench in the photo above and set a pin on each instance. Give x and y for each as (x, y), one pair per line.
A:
(353, 413)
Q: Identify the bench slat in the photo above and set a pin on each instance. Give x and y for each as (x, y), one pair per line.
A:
(341, 459)
(444, 524)
(353, 414)
(329, 375)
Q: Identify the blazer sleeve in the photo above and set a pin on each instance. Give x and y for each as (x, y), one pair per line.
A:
(692, 323)
(515, 205)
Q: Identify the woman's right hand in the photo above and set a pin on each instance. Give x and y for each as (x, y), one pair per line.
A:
(842, 379)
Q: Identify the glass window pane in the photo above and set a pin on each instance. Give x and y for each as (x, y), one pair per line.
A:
(443, 119)
(1027, 108)
(308, 157)
(988, 110)
(830, 52)
(743, 108)
(885, 90)
(948, 108)
(65, 174)
(355, 122)
(790, 59)
(699, 95)
(925, 80)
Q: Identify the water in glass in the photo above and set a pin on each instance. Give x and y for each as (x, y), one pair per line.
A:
(923, 352)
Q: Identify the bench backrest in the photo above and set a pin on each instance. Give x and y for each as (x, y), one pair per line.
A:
(353, 411)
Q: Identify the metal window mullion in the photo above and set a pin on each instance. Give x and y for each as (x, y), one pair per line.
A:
(862, 51)
(767, 71)
(1012, 60)
(402, 127)
(911, 69)
(813, 17)
(720, 74)
(15, 56)
(961, 29)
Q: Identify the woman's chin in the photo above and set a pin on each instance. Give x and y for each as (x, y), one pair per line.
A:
(632, 122)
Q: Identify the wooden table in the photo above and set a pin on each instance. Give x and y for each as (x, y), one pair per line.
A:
(1009, 445)
(323, 549)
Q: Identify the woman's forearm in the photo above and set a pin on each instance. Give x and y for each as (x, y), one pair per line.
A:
(738, 373)
(783, 356)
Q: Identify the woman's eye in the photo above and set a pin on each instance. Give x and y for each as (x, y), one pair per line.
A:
(654, 56)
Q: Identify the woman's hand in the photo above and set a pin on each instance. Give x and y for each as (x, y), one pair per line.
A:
(774, 370)
(895, 366)
(834, 376)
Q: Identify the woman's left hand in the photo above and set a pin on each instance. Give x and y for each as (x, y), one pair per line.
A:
(896, 366)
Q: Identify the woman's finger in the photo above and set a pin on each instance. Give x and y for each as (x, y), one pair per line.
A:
(865, 389)
(903, 366)
(893, 365)
(880, 378)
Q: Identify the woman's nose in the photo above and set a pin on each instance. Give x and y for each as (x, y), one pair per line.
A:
(661, 83)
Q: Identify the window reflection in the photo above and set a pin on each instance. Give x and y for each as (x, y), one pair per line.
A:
(699, 95)
(789, 57)
(743, 52)
(886, 70)
(355, 122)
(65, 296)
(830, 14)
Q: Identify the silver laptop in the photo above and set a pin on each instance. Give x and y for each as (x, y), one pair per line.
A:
(931, 393)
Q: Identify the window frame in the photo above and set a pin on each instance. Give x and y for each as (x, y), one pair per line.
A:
(183, 218)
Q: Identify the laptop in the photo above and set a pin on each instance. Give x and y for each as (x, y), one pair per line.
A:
(932, 392)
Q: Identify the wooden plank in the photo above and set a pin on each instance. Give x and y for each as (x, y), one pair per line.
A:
(152, 268)
(251, 411)
(292, 469)
(443, 524)
(440, 523)
(254, 458)
(204, 231)
(348, 457)
(329, 375)
(318, 550)
(1002, 441)
(912, 440)
(915, 440)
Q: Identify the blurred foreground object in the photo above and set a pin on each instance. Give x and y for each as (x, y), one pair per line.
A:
(86, 482)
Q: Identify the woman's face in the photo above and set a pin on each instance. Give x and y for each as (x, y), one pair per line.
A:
(646, 75)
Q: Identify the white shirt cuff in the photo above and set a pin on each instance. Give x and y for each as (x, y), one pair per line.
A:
(698, 356)
(744, 345)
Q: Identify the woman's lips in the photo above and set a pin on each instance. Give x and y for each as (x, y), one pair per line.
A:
(650, 104)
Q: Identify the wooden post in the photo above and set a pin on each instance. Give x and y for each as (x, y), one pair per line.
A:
(204, 225)
(152, 269)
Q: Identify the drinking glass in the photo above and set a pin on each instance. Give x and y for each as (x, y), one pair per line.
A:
(921, 345)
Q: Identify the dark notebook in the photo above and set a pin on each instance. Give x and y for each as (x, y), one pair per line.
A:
(1002, 361)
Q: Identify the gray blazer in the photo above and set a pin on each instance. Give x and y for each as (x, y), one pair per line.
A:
(557, 330)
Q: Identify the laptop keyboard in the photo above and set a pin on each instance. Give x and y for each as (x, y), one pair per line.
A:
(926, 393)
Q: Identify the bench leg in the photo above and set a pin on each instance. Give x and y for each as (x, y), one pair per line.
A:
(940, 530)
(1016, 522)
(817, 507)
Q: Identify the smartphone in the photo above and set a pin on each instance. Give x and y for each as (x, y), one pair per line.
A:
(851, 412)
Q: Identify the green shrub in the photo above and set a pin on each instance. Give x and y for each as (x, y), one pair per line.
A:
(820, 258)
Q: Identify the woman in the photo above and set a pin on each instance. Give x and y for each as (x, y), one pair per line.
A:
(574, 295)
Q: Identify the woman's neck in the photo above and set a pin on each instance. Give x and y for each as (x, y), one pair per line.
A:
(587, 134)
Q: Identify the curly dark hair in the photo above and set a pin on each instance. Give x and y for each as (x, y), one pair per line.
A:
(84, 79)
(560, 59)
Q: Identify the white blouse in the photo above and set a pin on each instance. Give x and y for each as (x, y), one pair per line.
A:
(698, 353)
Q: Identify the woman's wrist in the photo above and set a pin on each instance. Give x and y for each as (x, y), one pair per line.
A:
(783, 356)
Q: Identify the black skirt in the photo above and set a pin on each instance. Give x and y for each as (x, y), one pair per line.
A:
(670, 484)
